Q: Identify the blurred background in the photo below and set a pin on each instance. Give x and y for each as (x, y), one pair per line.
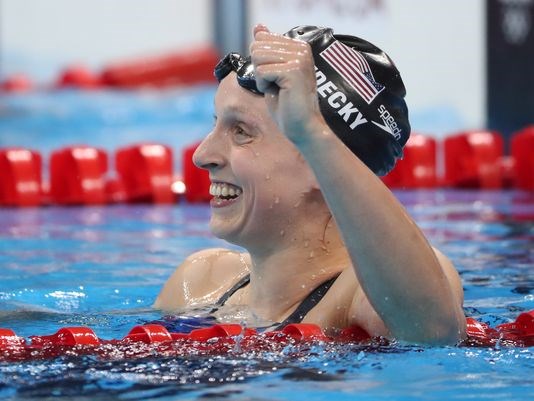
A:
(466, 64)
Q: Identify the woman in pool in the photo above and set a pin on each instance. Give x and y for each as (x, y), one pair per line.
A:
(301, 129)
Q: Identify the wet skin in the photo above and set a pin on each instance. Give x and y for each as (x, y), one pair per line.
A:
(306, 209)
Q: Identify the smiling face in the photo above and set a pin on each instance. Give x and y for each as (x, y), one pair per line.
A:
(260, 183)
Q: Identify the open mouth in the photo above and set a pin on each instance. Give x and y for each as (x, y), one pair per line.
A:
(225, 191)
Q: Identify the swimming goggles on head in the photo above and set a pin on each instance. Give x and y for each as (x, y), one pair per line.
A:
(242, 66)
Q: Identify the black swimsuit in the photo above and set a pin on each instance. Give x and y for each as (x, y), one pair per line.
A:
(185, 323)
(302, 310)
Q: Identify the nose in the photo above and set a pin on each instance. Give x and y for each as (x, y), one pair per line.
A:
(208, 154)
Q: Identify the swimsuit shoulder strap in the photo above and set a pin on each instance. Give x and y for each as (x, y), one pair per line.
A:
(302, 310)
(237, 286)
(308, 304)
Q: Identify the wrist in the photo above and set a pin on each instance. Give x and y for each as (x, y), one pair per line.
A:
(315, 133)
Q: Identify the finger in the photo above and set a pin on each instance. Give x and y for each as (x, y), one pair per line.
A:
(269, 75)
(271, 56)
(265, 78)
(259, 46)
(262, 35)
(284, 45)
(268, 52)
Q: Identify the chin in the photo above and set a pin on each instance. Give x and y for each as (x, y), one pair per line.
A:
(223, 231)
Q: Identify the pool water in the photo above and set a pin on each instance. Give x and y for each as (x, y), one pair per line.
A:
(103, 266)
(48, 120)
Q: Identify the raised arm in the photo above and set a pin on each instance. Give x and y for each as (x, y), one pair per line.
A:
(398, 270)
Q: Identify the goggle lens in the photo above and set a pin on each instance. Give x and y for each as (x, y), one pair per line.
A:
(242, 66)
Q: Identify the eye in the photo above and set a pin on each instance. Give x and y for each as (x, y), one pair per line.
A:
(241, 136)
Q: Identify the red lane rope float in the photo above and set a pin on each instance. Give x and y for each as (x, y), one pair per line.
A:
(20, 177)
(472, 160)
(146, 172)
(197, 181)
(522, 145)
(77, 175)
(151, 339)
(222, 338)
(417, 168)
(518, 333)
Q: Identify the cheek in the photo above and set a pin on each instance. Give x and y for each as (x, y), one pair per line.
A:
(274, 176)
(253, 166)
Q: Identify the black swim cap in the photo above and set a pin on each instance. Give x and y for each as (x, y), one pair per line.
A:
(361, 93)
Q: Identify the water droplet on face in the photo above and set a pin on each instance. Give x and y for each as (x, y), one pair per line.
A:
(256, 154)
(306, 244)
(303, 285)
(282, 233)
(312, 254)
(276, 200)
(313, 277)
(267, 177)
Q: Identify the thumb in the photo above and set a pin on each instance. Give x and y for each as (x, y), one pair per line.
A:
(260, 28)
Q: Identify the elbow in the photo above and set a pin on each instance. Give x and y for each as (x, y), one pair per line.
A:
(440, 331)
(450, 333)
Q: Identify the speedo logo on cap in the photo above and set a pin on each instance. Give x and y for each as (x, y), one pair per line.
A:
(390, 125)
(338, 100)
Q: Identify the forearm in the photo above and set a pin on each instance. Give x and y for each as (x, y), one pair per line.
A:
(395, 265)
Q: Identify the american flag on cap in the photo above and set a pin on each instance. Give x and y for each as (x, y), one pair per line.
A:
(353, 67)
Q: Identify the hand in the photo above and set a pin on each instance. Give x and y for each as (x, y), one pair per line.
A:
(285, 72)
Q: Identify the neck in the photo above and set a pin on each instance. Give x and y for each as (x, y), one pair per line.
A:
(282, 277)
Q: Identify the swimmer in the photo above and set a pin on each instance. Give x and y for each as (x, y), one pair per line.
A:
(302, 128)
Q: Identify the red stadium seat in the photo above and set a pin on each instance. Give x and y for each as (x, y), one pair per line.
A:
(77, 76)
(77, 176)
(473, 160)
(417, 169)
(20, 177)
(16, 83)
(181, 68)
(146, 172)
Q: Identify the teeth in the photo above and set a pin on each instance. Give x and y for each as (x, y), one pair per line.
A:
(220, 189)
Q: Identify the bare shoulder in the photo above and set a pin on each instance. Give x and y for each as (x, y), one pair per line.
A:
(202, 278)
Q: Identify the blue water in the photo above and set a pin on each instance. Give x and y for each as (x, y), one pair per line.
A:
(103, 266)
(49, 120)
